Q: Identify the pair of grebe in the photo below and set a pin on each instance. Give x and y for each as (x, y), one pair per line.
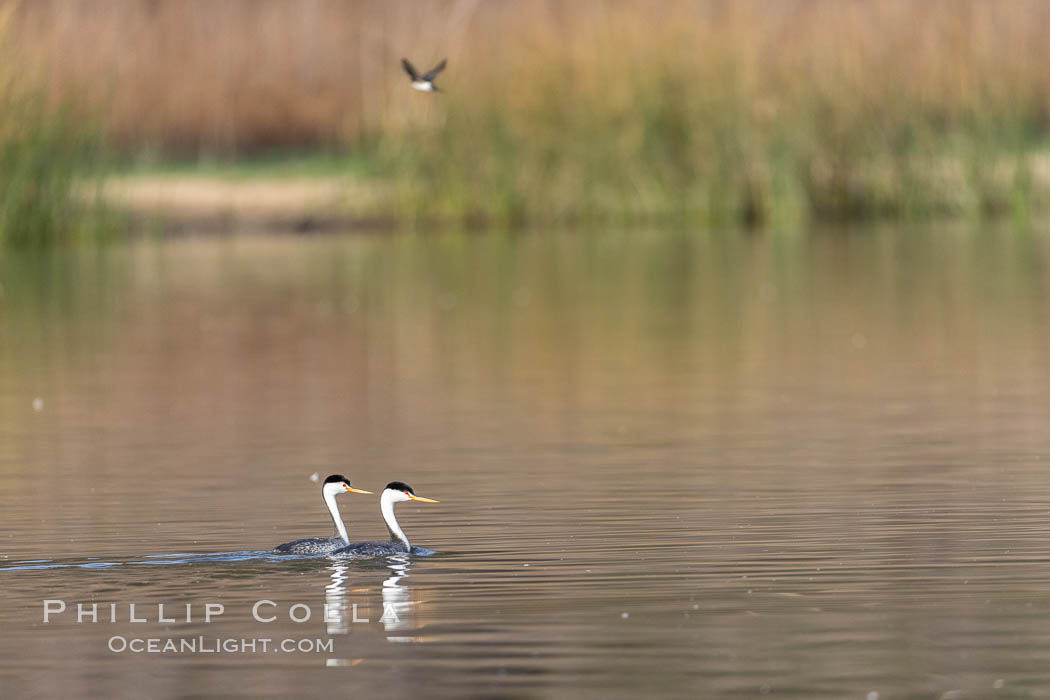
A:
(395, 492)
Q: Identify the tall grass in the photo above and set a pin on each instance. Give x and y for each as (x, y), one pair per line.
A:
(730, 110)
(48, 155)
(47, 169)
(748, 113)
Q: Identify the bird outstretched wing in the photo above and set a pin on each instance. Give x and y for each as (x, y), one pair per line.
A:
(410, 69)
(432, 73)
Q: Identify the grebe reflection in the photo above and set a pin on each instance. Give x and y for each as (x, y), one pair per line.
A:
(398, 605)
(397, 612)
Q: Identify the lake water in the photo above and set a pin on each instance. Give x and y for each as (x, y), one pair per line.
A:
(668, 463)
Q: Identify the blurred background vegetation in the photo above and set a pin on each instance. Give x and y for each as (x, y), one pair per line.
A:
(755, 112)
(52, 156)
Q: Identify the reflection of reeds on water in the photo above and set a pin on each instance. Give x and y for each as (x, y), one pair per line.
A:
(751, 110)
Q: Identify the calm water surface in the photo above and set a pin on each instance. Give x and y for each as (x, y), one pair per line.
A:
(681, 464)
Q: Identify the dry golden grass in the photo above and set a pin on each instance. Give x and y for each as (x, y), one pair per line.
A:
(242, 73)
(246, 73)
(738, 109)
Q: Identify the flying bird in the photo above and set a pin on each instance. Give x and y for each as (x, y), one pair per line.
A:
(424, 82)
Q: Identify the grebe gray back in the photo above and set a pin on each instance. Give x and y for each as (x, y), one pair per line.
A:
(395, 492)
(333, 486)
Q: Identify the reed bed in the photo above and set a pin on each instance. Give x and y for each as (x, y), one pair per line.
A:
(50, 161)
(755, 111)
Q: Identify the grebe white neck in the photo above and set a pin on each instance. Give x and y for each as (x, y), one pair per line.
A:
(330, 491)
(386, 504)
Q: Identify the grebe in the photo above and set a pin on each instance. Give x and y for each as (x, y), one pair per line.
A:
(333, 486)
(425, 82)
(395, 492)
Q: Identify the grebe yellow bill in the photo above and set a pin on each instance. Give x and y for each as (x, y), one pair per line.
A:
(332, 487)
(395, 492)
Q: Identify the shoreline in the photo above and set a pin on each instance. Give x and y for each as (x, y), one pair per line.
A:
(208, 203)
(306, 203)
